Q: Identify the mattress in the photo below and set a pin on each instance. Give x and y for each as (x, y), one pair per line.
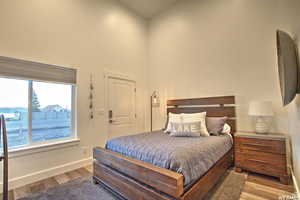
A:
(190, 156)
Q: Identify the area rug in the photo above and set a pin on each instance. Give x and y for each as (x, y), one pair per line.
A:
(80, 189)
(229, 188)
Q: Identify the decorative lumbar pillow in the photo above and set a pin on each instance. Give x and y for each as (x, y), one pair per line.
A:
(172, 118)
(215, 125)
(196, 117)
(190, 129)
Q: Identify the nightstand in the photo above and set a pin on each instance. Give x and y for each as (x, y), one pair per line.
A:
(265, 154)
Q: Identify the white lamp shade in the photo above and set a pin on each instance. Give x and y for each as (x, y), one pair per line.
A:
(261, 108)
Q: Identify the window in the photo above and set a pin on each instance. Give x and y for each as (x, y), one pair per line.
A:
(36, 111)
(51, 111)
(37, 101)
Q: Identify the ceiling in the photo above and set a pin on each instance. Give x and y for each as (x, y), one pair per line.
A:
(148, 8)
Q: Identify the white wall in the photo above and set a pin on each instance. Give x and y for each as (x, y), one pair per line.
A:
(294, 131)
(212, 47)
(89, 35)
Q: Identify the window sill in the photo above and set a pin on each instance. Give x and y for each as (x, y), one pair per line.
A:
(44, 147)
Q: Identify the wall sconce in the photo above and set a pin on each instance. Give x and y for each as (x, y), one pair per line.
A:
(155, 102)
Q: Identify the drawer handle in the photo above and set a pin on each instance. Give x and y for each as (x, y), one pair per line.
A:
(256, 145)
(258, 161)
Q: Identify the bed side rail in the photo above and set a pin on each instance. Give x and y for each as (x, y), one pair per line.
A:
(161, 179)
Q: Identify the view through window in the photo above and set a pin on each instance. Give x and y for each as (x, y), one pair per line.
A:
(35, 111)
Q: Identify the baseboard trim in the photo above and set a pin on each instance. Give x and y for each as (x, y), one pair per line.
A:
(44, 174)
(295, 183)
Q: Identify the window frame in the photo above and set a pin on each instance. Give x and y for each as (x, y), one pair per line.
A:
(33, 145)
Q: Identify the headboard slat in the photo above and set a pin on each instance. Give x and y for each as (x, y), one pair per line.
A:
(203, 101)
(211, 111)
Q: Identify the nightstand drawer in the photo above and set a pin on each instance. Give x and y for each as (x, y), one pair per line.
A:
(260, 167)
(271, 146)
(269, 159)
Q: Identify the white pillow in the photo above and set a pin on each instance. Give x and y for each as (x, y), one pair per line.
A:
(175, 118)
(226, 129)
(195, 117)
(191, 129)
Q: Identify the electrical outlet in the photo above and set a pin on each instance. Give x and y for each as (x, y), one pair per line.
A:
(85, 150)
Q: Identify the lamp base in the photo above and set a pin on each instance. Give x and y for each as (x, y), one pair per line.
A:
(261, 126)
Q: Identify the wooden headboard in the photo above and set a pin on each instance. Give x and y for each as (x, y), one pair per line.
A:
(213, 106)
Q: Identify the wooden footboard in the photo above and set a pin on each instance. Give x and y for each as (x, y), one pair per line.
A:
(134, 179)
(163, 180)
(124, 186)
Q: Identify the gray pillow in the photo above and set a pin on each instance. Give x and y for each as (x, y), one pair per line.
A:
(215, 125)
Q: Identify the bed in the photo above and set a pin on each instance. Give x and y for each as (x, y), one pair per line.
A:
(157, 166)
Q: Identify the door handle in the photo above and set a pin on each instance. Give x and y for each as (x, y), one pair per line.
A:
(110, 114)
(111, 121)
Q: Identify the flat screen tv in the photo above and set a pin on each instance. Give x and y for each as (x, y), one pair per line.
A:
(288, 67)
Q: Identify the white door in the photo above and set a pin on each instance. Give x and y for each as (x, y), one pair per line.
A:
(121, 107)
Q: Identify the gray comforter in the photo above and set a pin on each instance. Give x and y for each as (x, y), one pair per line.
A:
(190, 156)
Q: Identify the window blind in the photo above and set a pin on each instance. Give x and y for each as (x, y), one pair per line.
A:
(16, 68)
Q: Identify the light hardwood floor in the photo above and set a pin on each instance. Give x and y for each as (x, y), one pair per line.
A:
(257, 187)
(49, 183)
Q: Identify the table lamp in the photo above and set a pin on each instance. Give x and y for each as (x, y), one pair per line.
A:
(261, 110)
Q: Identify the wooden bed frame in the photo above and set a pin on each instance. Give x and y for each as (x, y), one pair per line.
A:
(134, 179)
